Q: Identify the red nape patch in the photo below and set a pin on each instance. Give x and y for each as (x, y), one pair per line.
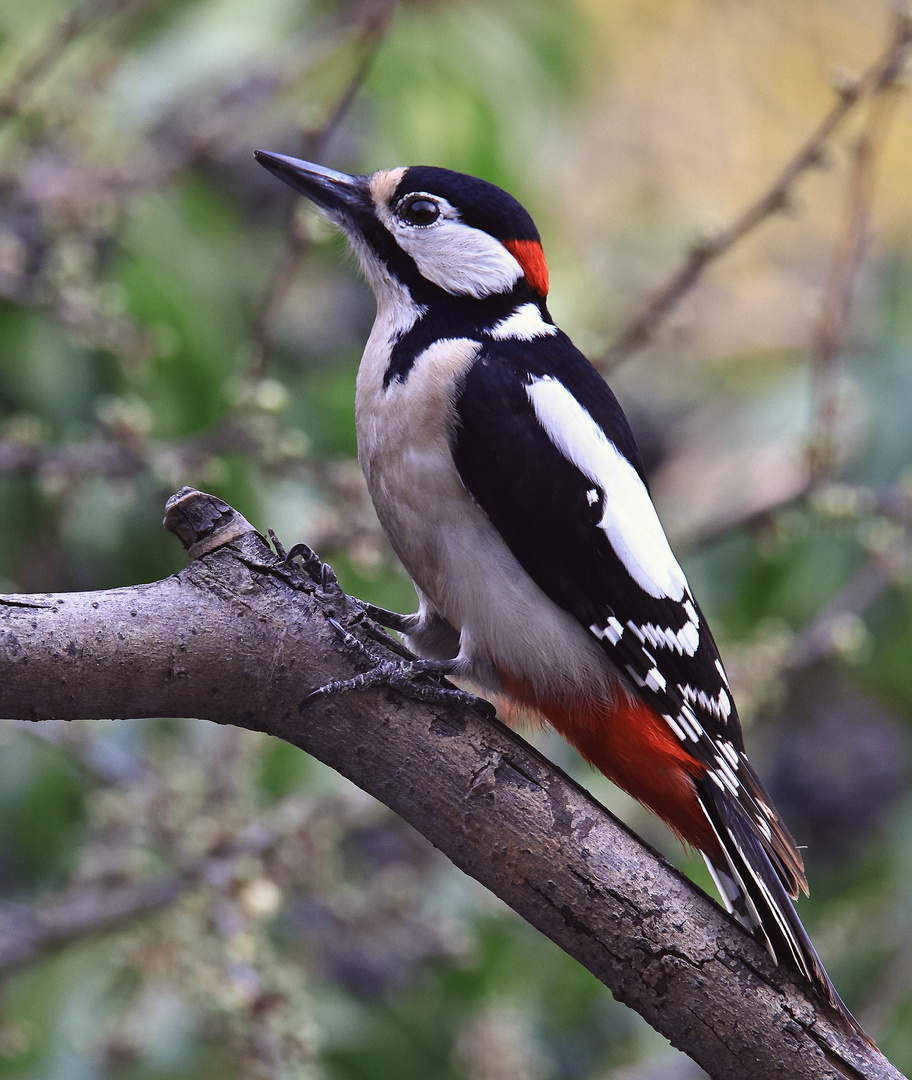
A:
(632, 745)
(529, 255)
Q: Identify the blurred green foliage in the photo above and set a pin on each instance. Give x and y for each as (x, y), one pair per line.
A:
(138, 244)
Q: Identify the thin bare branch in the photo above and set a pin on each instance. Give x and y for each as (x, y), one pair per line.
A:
(297, 237)
(71, 25)
(27, 932)
(836, 627)
(757, 518)
(882, 73)
(832, 327)
(850, 500)
(295, 247)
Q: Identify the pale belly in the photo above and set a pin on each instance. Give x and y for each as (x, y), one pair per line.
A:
(463, 570)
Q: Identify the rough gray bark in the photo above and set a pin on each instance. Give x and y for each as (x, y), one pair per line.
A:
(237, 638)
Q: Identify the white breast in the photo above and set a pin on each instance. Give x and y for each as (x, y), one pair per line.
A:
(462, 569)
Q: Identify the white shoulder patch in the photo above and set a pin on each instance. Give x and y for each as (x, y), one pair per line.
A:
(629, 519)
(524, 323)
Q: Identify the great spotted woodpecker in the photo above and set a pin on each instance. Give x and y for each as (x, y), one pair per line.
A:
(506, 477)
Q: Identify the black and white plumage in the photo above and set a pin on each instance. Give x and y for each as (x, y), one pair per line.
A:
(506, 477)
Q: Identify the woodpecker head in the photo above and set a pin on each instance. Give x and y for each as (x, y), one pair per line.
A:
(439, 234)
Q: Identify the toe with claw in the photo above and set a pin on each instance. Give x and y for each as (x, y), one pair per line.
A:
(401, 675)
(392, 620)
(319, 572)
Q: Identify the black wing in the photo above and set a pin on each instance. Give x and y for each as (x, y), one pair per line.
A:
(551, 513)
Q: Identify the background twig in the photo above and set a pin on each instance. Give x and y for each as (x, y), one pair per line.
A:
(832, 326)
(642, 328)
(297, 238)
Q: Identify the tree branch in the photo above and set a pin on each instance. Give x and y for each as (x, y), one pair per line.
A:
(881, 75)
(832, 326)
(26, 933)
(71, 25)
(297, 238)
(239, 637)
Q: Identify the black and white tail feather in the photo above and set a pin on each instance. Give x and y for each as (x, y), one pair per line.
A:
(754, 892)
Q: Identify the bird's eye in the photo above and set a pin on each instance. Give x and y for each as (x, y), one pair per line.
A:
(419, 211)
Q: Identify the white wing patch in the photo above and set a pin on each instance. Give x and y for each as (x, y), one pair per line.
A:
(524, 323)
(629, 519)
(631, 524)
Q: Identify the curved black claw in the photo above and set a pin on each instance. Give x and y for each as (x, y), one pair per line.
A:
(319, 572)
(310, 561)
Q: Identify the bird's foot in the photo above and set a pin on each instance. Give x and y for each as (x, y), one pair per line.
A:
(401, 675)
(323, 575)
(319, 572)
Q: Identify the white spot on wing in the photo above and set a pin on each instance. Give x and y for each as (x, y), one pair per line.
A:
(629, 518)
(726, 773)
(720, 706)
(688, 715)
(655, 680)
(635, 675)
(685, 721)
(686, 640)
(689, 637)
(726, 778)
(524, 323)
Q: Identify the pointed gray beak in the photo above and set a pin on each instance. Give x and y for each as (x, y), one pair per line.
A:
(335, 192)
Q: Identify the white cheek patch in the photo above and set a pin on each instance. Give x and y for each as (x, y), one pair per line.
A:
(461, 260)
(629, 519)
